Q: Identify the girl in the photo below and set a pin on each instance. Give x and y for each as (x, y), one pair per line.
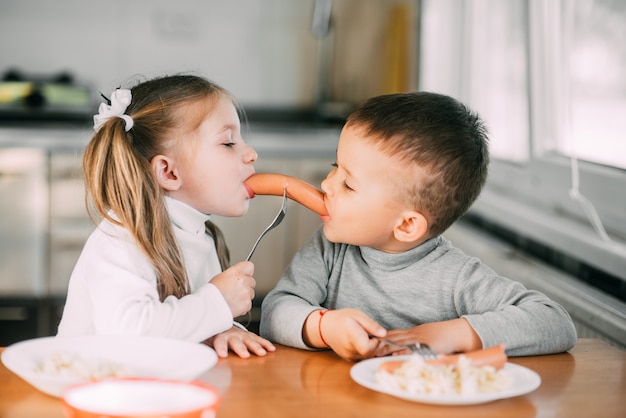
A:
(164, 156)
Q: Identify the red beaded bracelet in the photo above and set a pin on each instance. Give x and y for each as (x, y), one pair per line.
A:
(319, 327)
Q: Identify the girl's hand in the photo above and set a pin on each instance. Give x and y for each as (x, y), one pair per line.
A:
(241, 342)
(237, 286)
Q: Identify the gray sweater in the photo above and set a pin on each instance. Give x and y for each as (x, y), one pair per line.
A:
(432, 282)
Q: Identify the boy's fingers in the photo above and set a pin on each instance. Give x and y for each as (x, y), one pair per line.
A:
(371, 327)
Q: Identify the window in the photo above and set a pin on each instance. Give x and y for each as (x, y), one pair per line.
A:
(549, 79)
(597, 81)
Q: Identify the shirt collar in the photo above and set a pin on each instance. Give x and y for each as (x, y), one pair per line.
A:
(185, 217)
(398, 261)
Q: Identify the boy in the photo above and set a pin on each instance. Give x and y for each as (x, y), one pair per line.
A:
(408, 166)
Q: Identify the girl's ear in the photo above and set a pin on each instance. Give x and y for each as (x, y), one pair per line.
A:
(411, 227)
(165, 171)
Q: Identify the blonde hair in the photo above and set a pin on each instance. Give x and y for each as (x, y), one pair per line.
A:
(119, 181)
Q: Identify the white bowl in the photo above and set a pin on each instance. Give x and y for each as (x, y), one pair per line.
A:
(152, 357)
(138, 397)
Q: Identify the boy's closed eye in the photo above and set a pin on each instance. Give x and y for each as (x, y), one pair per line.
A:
(344, 184)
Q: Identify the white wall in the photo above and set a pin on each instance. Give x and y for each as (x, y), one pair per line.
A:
(261, 50)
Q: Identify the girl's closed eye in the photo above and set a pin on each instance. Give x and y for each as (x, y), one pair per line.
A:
(228, 141)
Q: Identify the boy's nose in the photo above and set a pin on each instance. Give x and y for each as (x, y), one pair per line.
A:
(326, 186)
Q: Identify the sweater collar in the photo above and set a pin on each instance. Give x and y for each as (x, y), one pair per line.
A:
(185, 217)
(397, 261)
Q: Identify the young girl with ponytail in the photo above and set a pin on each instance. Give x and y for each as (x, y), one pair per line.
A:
(165, 155)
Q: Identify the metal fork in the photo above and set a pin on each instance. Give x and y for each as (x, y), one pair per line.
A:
(421, 349)
(277, 220)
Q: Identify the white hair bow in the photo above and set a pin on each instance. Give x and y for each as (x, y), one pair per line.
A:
(120, 99)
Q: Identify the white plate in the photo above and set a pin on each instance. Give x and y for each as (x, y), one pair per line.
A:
(140, 356)
(523, 381)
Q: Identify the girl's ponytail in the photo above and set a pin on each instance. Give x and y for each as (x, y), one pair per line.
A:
(123, 190)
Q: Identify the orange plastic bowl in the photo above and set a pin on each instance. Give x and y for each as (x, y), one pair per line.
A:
(140, 398)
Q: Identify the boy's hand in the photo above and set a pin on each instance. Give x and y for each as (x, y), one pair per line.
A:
(346, 331)
(444, 337)
(237, 286)
(241, 342)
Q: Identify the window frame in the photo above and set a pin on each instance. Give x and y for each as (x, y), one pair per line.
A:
(532, 198)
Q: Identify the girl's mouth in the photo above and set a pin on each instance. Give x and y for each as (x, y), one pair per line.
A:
(251, 193)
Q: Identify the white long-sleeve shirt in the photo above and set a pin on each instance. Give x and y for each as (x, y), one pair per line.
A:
(113, 288)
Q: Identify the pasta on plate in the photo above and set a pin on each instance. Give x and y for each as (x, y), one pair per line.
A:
(72, 366)
(417, 376)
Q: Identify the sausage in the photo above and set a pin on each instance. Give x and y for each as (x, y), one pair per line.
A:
(492, 356)
(297, 190)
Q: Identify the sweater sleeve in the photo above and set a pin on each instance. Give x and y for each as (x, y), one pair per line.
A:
(504, 311)
(301, 290)
(113, 291)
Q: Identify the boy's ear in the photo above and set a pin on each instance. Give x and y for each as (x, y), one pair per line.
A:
(165, 171)
(411, 227)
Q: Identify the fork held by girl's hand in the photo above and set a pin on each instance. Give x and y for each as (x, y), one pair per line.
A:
(277, 220)
(297, 190)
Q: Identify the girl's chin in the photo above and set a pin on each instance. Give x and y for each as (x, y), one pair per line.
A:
(234, 213)
(243, 211)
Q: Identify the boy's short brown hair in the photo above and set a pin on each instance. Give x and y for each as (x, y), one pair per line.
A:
(441, 136)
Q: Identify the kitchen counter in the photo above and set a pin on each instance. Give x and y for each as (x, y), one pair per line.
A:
(47, 137)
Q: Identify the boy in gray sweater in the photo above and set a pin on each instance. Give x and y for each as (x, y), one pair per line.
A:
(408, 166)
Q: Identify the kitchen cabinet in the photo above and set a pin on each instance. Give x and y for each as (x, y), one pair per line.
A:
(23, 218)
(69, 224)
(23, 194)
(33, 186)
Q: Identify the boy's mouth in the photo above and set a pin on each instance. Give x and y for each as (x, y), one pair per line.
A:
(326, 217)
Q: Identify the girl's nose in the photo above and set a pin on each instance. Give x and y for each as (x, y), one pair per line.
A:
(250, 155)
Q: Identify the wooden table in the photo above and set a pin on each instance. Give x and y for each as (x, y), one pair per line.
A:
(589, 381)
